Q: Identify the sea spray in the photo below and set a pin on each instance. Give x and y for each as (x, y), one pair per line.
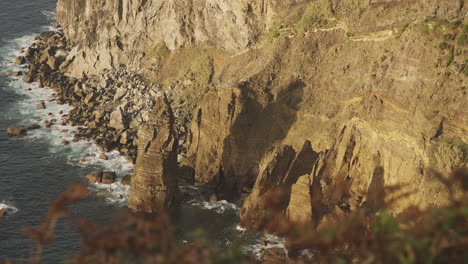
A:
(9, 207)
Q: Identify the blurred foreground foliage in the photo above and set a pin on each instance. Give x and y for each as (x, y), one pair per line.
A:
(438, 235)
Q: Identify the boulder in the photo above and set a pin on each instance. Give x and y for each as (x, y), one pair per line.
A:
(105, 177)
(3, 212)
(95, 177)
(103, 157)
(15, 73)
(33, 126)
(108, 177)
(119, 94)
(124, 138)
(154, 180)
(28, 78)
(117, 120)
(126, 180)
(20, 60)
(90, 98)
(16, 130)
(30, 52)
(54, 61)
(273, 255)
(41, 105)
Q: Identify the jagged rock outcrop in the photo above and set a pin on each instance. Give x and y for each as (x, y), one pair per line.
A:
(285, 170)
(232, 130)
(209, 132)
(154, 179)
(106, 34)
(16, 130)
(105, 177)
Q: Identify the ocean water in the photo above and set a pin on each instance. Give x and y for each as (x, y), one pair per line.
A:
(36, 168)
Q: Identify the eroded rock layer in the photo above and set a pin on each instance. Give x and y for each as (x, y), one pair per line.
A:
(106, 34)
(154, 180)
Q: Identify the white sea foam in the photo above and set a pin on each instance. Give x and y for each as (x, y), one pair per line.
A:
(197, 200)
(263, 243)
(218, 206)
(10, 208)
(240, 228)
(267, 241)
(50, 15)
(57, 134)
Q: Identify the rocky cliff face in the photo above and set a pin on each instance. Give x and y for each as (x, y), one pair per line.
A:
(382, 104)
(106, 34)
(330, 101)
(154, 180)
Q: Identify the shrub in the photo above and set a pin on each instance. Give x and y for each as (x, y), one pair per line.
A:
(462, 38)
(315, 13)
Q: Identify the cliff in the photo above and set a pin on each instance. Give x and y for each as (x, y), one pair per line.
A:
(154, 180)
(333, 101)
(106, 34)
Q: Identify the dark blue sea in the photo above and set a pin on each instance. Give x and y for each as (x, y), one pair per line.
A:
(36, 168)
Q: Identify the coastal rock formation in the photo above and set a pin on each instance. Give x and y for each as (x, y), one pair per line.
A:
(20, 60)
(95, 177)
(41, 105)
(208, 134)
(287, 171)
(104, 177)
(33, 126)
(231, 132)
(15, 73)
(126, 180)
(330, 102)
(154, 179)
(17, 130)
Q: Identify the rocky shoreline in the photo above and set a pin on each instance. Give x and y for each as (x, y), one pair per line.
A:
(108, 109)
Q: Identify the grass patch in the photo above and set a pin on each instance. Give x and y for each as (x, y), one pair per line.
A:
(317, 12)
(203, 67)
(401, 30)
(451, 57)
(197, 62)
(159, 51)
(465, 69)
(437, 26)
(462, 38)
(156, 56)
(444, 46)
(276, 34)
